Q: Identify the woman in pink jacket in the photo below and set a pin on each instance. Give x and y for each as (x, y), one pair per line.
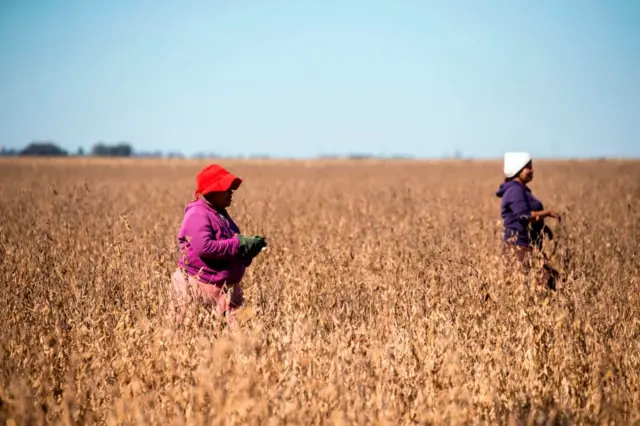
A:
(214, 254)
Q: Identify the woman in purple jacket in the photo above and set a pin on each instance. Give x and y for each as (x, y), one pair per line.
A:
(214, 254)
(523, 215)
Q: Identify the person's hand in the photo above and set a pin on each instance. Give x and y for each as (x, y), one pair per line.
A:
(554, 214)
(250, 246)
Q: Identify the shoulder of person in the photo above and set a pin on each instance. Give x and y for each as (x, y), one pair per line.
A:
(199, 212)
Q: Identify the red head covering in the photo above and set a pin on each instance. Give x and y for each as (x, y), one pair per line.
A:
(215, 178)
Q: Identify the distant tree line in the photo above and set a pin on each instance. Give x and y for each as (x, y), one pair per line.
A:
(122, 149)
(125, 149)
(47, 149)
(100, 149)
(51, 149)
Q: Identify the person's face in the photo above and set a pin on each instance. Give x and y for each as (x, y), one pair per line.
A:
(526, 174)
(221, 199)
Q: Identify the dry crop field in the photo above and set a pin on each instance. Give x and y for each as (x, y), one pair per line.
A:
(382, 298)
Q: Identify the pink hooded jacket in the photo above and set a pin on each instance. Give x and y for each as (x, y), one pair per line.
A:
(209, 247)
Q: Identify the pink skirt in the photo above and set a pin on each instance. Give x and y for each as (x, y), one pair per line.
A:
(186, 289)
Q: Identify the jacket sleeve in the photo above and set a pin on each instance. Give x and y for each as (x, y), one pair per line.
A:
(204, 242)
(519, 203)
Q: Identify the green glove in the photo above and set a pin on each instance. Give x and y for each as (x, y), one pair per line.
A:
(251, 246)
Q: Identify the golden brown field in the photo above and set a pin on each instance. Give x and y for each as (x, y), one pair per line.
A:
(382, 298)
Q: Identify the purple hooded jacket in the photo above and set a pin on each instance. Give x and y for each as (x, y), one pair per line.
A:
(516, 206)
(208, 245)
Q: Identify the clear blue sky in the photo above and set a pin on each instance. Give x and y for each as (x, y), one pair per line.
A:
(294, 78)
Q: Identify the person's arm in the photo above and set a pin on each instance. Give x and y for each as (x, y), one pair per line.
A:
(203, 239)
(516, 198)
(520, 206)
(542, 214)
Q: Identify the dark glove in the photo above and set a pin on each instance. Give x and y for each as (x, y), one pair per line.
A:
(251, 246)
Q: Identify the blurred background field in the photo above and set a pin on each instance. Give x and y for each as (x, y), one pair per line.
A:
(381, 300)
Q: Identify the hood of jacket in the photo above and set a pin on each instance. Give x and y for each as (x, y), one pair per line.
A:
(504, 186)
